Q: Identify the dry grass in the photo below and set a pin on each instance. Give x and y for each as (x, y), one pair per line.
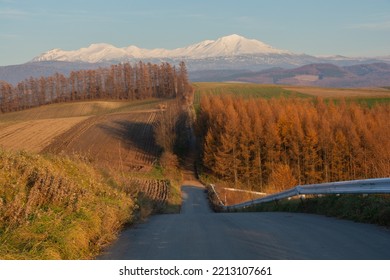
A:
(56, 208)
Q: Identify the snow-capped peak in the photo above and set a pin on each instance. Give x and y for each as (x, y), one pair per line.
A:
(232, 45)
(237, 45)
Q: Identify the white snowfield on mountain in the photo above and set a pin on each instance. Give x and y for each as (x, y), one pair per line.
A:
(232, 45)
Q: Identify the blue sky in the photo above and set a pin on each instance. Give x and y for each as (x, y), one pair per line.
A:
(345, 27)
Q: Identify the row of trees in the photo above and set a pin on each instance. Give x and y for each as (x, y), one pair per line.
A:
(282, 142)
(122, 81)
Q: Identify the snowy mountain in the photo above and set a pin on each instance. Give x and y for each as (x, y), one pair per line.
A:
(227, 58)
(232, 45)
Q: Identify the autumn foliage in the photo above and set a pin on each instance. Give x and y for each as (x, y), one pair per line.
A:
(278, 143)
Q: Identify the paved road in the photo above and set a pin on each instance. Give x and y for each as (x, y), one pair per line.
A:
(198, 233)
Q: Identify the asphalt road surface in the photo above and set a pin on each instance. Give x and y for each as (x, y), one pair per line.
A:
(199, 233)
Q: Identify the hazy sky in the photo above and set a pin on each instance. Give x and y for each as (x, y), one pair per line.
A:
(345, 27)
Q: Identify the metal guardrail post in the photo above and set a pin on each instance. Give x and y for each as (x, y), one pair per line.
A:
(218, 198)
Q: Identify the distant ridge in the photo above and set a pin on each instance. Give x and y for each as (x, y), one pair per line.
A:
(324, 75)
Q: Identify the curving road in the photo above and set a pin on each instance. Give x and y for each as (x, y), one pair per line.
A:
(198, 233)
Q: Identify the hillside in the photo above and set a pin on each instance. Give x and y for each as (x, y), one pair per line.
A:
(16, 73)
(323, 75)
(55, 207)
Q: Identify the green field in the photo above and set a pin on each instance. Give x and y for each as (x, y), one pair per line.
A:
(244, 90)
(367, 96)
(369, 101)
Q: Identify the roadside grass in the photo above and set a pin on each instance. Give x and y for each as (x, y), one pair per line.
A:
(174, 175)
(57, 208)
(173, 205)
(146, 206)
(374, 209)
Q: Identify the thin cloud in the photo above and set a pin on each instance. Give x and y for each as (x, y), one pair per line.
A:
(245, 20)
(13, 13)
(384, 25)
(9, 36)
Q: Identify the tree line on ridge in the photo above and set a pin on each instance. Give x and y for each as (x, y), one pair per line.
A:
(117, 82)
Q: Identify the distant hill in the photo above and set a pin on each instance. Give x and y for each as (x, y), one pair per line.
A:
(323, 75)
(16, 73)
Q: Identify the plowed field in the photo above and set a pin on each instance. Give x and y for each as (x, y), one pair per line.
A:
(119, 141)
(117, 135)
(34, 135)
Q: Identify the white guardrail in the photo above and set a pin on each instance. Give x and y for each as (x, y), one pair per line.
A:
(369, 186)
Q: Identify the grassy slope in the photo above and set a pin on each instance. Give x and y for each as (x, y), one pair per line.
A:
(56, 208)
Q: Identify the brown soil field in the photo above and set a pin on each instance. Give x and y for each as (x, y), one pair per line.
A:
(122, 141)
(113, 134)
(78, 109)
(65, 110)
(34, 135)
(339, 92)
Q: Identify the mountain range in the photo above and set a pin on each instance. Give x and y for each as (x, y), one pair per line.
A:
(228, 46)
(232, 57)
